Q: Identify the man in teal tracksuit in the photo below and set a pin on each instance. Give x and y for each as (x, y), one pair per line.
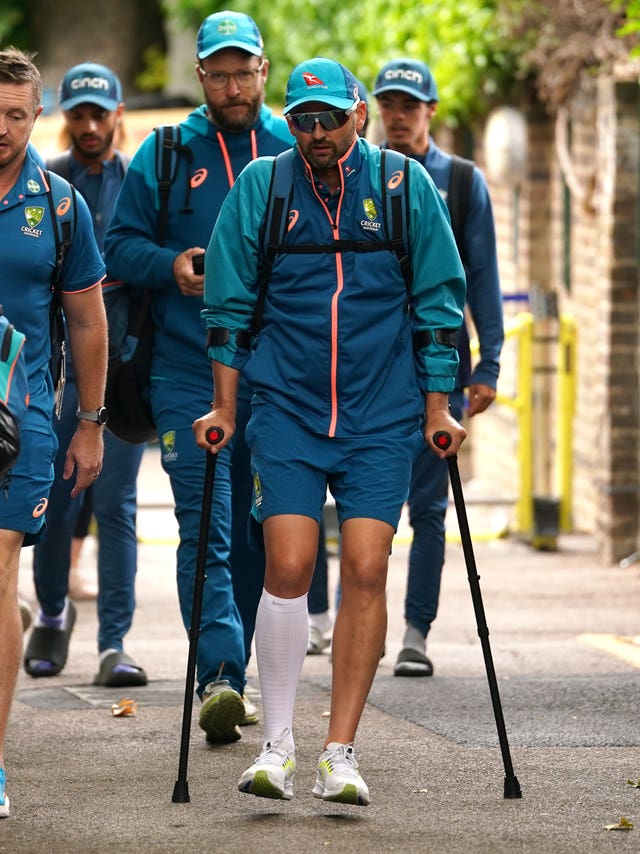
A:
(347, 382)
(219, 138)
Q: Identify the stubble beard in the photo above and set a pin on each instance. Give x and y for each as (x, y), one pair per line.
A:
(236, 123)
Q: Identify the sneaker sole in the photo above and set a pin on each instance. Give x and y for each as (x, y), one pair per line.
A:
(262, 786)
(347, 795)
(4, 808)
(219, 719)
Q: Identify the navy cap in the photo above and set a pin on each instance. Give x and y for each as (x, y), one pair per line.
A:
(322, 80)
(406, 75)
(90, 83)
(228, 29)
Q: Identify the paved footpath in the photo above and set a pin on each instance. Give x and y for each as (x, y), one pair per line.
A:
(566, 647)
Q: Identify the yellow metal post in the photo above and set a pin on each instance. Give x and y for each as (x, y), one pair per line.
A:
(564, 413)
(521, 327)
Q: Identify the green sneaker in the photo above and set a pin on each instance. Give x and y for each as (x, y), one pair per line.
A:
(221, 711)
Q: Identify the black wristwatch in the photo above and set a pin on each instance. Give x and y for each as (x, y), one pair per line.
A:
(98, 415)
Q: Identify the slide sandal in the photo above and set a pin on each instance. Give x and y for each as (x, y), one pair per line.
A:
(110, 676)
(49, 645)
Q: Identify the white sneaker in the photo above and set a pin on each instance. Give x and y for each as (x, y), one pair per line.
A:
(250, 712)
(221, 711)
(271, 775)
(338, 779)
(318, 640)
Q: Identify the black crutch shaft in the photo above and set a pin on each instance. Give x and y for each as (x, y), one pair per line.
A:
(181, 787)
(511, 785)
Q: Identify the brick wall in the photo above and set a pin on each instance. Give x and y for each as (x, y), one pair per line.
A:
(581, 246)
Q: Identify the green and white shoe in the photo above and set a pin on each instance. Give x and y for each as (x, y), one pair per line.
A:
(271, 775)
(338, 777)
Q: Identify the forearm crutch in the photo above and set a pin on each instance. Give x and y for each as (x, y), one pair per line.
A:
(442, 440)
(181, 787)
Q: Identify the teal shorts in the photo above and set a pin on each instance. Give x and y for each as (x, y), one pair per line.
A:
(368, 476)
(24, 501)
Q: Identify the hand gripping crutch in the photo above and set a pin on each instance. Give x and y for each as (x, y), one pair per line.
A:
(511, 785)
(181, 787)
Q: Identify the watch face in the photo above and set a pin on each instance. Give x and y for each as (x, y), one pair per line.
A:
(102, 415)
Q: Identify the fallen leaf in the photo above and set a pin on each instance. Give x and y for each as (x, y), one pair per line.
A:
(635, 785)
(124, 709)
(325, 715)
(623, 824)
(421, 791)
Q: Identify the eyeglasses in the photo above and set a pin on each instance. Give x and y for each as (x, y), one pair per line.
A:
(328, 119)
(220, 79)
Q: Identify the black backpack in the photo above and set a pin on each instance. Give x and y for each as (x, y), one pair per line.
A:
(131, 327)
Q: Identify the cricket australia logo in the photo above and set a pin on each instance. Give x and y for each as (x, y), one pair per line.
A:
(227, 27)
(33, 216)
(371, 212)
(168, 439)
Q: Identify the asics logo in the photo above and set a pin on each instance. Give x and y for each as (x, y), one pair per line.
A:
(199, 177)
(40, 508)
(396, 179)
(64, 206)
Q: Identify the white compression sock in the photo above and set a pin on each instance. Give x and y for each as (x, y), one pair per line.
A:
(282, 636)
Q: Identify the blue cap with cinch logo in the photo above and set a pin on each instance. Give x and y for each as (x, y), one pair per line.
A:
(407, 75)
(90, 83)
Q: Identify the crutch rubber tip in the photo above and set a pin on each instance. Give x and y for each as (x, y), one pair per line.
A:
(512, 789)
(181, 793)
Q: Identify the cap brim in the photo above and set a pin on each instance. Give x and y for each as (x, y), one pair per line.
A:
(253, 49)
(106, 103)
(336, 103)
(398, 87)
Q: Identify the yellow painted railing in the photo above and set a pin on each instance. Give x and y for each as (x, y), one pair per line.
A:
(522, 329)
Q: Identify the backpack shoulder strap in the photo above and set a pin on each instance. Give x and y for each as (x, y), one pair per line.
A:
(272, 233)
(458, 194)
(394, 186)
(64, 214)
(169, 148)
(276, 212)
(60, 164)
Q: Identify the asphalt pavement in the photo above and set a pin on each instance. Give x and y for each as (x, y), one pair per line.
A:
(565, 643)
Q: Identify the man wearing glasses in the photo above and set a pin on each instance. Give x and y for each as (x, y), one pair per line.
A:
(231, 128)
(341, 398)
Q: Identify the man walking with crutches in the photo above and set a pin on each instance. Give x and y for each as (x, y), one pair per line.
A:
(348, 383)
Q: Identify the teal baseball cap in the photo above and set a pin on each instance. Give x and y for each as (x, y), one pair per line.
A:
(228, 29)
(323, 80)
(407, 75)
(90, 83)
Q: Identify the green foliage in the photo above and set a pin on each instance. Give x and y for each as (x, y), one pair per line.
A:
(12, 19)
(631, 27)
(155, 76)
(465, 43)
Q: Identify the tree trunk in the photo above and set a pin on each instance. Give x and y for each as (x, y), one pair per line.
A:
(113, 32)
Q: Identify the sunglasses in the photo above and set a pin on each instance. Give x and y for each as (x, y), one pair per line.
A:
(327, 119)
